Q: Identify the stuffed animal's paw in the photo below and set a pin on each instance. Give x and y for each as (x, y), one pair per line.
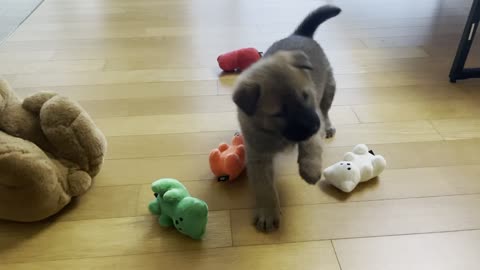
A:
(267, 219)
(347, 186)
(73, 133)
(310, 170)
(78, 182)
(165, 221)
(154, 208)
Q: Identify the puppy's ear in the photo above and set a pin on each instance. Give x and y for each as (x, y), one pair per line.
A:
(300, 60)
(246, 97)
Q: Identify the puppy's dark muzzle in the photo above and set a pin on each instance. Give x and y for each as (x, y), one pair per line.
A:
(302, 125)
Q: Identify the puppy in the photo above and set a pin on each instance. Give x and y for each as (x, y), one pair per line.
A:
(283, 100)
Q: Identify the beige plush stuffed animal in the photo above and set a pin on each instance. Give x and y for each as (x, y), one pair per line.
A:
(50, 150)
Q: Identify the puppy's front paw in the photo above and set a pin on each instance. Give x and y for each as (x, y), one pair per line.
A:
(330, 132)
(310, 170)
(267, 219)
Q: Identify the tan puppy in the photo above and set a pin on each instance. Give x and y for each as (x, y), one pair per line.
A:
(283, 101)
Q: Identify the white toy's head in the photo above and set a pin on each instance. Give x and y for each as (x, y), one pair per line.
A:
(344, 175)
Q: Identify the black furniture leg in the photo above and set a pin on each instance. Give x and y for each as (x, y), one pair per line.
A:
(458, 70)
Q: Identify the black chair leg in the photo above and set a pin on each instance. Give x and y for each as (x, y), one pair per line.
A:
(458, 70)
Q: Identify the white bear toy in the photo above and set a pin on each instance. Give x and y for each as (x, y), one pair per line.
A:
(357, 166)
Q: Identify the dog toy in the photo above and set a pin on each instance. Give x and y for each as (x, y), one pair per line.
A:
(238, 60)
(50, 149)
(357, 166)
(175, 207)
(228, 161)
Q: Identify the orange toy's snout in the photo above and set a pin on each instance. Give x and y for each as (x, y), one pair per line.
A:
(228, 161)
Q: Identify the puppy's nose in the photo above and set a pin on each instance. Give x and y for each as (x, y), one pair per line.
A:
(310, 122)
(301, 127)
(315, 125)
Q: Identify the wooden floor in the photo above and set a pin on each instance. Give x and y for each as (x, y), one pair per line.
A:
(146, 71)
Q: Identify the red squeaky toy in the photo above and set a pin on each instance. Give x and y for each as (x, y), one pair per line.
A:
(238, 60)
(228, 161)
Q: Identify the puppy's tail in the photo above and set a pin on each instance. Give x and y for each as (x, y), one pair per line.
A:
(314, 19)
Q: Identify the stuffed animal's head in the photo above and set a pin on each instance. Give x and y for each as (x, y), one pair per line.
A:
(190, 217)
(344, 175)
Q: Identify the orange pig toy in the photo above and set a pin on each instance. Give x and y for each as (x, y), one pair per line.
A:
(228, 161)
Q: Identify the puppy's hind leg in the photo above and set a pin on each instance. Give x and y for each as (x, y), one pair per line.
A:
(260, 175)
(326, 104)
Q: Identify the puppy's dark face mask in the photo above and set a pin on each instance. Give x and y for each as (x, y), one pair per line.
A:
(301, 122)
(277, 96)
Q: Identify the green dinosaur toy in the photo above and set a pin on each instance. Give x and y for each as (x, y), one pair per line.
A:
(175, 207)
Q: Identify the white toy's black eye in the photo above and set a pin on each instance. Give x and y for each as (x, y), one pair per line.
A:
(348, 164)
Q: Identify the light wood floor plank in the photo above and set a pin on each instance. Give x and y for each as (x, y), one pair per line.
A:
(104, 237)
(310, 255)
(51, 66)
(160, 106)
(276, 32)
(147, 170)
(102, 203)
(380, 95)
(129, 91)
(388, 132)
(112, 77)
(454, 129)
(442, 251)
(388, 79)
(143, 146)
(387, 65)
(432, 110)
(167, 124)
(134, 33)
(412, 40)
(27, 56)
(362, 219)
